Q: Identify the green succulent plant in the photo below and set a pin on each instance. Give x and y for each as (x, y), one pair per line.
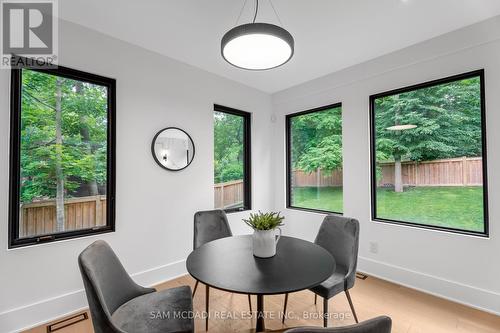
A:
(264, 221)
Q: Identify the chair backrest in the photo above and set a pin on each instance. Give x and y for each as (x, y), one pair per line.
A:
(210, 225)
(107, 284)
(381, 324)
(340, 236)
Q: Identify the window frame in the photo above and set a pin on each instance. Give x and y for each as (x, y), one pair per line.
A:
(373, 162)
(15, 154)
(247, 155)
(288, 138)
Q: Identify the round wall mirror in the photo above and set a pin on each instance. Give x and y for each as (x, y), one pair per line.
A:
(173, 149)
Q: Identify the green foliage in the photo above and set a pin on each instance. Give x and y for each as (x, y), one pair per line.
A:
(447, 117)
(448, 120)
(228, 147)
(84, 131)
(231, 172)
(317, 140)
(264, 221)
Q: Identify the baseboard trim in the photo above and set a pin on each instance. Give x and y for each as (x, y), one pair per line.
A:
(474, 297)
(157, 275)
(50, 309)
(44, 311)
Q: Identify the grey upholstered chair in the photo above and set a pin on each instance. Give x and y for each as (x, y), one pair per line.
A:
(376, 325)
(210, 225)
(118, 304)
(339, 236)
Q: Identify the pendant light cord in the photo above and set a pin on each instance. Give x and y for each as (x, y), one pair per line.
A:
(275, 12)
(241, 12)
(256, 10)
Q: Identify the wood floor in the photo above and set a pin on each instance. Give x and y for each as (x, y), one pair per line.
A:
(410, 310)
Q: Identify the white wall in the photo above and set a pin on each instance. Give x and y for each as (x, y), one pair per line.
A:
(458, 267)
(154, 207)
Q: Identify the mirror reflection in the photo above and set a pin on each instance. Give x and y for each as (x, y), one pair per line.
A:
(173, 149)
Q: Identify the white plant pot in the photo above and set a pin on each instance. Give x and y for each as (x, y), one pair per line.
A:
(264, 242)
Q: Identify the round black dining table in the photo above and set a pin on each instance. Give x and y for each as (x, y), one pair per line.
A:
(229, 264)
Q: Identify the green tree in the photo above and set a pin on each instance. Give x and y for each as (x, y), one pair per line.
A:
(447, 119)
(228, 147)
(63, 138)
(317, 140)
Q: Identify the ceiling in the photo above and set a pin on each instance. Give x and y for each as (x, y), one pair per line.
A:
(330, 35)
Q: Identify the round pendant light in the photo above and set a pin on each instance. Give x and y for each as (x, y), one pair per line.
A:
(257, 46)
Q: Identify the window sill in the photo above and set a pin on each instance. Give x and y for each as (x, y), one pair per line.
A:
(422, 227)
(316, 211)
(237, 210)
(27, 243)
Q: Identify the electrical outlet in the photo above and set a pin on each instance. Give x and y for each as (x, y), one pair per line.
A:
(374, 247)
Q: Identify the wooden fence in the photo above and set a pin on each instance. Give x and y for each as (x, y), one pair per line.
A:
(464, 171)
(317, 179)
(229, 194)
(38, 218)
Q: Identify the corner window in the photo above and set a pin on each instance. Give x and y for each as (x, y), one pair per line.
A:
(429, 155)
(231, 159)
(62, 155)
(314, 159)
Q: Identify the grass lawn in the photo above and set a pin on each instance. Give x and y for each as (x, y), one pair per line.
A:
(326, 198)
(452, 207)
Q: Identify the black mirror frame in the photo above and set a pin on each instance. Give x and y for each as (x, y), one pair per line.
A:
(153, 148)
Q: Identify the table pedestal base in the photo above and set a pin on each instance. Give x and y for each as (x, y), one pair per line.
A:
(260, 325)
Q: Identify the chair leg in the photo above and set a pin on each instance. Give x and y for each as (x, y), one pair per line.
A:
(315, 299)
(351, 305)
(284, 309)
(250, 302)
(207, 292)
(195, 286)
(325, 312)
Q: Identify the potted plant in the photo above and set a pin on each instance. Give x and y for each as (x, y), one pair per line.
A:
(264, 236)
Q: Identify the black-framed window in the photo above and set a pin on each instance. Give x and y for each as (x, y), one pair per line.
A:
(314, 159)
(232, 159)
(428, 155)
(62, 155)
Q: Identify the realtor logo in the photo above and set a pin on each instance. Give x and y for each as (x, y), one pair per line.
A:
(29, 29)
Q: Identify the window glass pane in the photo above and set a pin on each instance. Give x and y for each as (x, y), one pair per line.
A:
(315, 148)
(229, 161)
(63, 154)
(429, 148)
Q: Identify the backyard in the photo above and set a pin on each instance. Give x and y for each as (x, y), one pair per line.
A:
(427, 154)
(450, 207)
